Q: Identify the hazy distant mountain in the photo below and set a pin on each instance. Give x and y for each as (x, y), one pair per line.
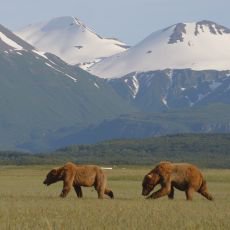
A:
(71, 40)
(204, 45)
(205, 119)
(40, 94)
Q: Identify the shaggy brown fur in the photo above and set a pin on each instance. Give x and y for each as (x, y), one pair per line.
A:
(77, 176)
(183, 176)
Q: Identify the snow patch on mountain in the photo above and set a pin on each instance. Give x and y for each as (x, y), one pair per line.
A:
(96, 85)
(214, 85)
(136, 86)
(40, 53)
(67, 75)
(133, 84)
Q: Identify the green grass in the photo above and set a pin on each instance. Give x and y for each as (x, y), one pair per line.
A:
(25, 203)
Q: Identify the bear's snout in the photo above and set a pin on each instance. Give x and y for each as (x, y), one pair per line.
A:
(145, 193)
(45, 182)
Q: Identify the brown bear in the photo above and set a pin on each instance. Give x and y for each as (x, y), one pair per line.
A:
(183, 176)
(77, 176)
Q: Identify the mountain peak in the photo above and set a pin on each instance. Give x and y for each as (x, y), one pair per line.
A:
(60, 23)
(79, 22)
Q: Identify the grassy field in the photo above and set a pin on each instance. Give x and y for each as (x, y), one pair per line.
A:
(25, 203)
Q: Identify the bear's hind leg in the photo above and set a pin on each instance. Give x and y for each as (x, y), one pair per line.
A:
(100, 193)
(100, 188)
(204, 191)
(207, 195)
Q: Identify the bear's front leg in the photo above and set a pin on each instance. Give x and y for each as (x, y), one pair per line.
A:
(66, 189)
(171, 194)
(165, 190)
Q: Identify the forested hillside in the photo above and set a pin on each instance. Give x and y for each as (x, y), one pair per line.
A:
(205, 150)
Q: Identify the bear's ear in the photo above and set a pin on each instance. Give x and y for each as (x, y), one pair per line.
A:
(149, 176)
(54, 172)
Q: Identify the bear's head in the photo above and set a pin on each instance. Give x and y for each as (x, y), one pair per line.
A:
(149, 182)
(53, 176)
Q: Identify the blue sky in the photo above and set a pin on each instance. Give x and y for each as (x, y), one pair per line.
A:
(128, 20)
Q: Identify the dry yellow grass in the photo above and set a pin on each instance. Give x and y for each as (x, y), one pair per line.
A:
(25, 203)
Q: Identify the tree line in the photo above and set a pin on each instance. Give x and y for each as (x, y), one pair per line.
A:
(205, 150)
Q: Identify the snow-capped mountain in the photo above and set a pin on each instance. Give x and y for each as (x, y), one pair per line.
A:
(204, 45)
(68, 38)
(182, 66)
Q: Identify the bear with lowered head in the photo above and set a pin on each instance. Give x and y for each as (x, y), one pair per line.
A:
(76, 176)
(183, 176)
